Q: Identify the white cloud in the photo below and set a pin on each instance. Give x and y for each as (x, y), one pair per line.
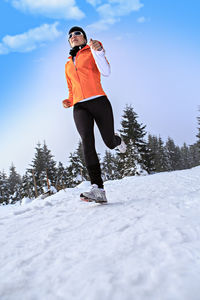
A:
(57, 9)
(29, 40)
(118, 8)
(102, 24)
(111, 12)
(142, 20)
(94, 2)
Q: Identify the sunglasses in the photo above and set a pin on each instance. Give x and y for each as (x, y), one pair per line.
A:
(76, 33)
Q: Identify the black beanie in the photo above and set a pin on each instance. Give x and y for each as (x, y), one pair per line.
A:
(76, 28)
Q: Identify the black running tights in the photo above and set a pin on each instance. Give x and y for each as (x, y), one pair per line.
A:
(98, 110)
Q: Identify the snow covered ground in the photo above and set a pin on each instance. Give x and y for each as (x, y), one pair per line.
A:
(143, 245)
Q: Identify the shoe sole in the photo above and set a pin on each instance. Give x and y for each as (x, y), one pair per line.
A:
(92, 200)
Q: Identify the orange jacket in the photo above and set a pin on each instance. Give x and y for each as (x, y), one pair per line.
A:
(83, 77)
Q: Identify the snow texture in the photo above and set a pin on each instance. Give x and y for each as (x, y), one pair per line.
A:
(143, 245)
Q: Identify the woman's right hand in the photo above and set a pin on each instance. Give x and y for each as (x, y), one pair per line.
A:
(66, 103)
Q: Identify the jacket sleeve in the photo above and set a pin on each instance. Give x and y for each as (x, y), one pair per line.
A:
(101, 61)
(69, 84)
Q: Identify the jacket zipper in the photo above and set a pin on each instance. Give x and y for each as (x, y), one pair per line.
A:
(77, 73)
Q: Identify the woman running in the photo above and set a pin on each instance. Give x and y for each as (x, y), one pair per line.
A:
(83, 72)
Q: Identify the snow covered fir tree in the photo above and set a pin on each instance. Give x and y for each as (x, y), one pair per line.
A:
(109, 166)
(4, 188)
(159, 156)
(137, 160)
(43, 170)
(144, 155)
(198, 135)
(76, 170)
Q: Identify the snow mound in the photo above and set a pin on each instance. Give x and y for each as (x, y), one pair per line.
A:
(143, 245)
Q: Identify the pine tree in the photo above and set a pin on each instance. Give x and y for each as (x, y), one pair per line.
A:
(38, 167)
(185, 157)
(194, 155)
(198, 134)
(14, 183)
(43, 168)
(76, 171)
(156, 146)
(137, 159)
(173, 154)
(61, 177)
(50, 165)
(4, 188)
(109, 166)
(27, 186)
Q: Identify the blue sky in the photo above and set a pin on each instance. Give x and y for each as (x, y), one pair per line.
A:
(154, 51)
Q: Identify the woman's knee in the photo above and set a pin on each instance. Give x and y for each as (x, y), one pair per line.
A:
(110, 144)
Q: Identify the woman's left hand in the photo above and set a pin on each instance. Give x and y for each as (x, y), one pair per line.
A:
(66, 103)
(95, 45)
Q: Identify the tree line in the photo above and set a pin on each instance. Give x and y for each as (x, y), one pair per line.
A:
(144, 155)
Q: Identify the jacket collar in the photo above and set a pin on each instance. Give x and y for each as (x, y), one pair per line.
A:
(84, 48)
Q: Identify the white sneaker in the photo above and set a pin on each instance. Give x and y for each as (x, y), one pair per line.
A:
(122, 147)
(95, 194)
